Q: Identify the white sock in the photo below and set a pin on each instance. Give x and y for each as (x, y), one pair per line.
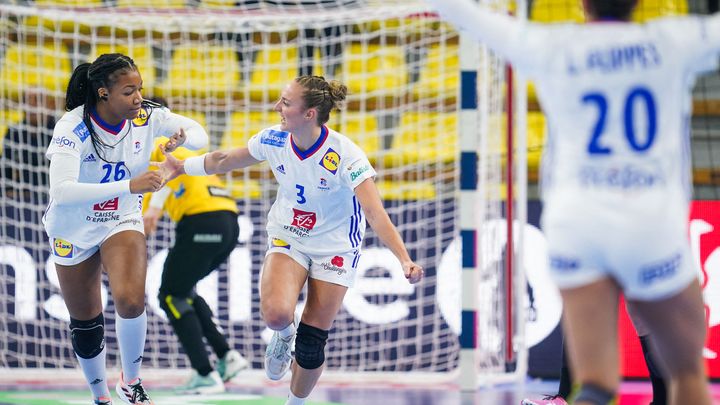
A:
(131, 339)
(94, 370)
(293, 400)
(287, 332)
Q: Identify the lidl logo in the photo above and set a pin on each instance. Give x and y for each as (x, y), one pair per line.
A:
(142, 119)
(280, 243)
(330, 161)
(62, 248)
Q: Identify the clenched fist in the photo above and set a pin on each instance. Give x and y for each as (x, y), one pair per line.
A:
(413, 272)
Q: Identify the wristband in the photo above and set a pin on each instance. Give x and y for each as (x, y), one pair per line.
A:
(195, 166)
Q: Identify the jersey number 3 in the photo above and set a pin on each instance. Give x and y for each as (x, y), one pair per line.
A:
(300, 194)
(636, 96)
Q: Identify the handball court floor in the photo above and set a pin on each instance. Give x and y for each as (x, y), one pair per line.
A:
(252, 387)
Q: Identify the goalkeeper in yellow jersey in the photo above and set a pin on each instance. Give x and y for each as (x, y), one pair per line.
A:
(206, 233)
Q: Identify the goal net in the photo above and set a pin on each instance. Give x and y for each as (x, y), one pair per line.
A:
(224, 65)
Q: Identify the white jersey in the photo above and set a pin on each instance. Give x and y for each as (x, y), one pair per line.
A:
(618, 102)
(616, 170)
(87, 223)
(315, 207)
(617, 97)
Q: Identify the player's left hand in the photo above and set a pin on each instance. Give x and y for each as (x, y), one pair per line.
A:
(413, 272)
(176, 140)
(171, 167)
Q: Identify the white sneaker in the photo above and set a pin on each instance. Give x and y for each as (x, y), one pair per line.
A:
(132, 393)
(197, 384)
(278, 356)
(231, 364)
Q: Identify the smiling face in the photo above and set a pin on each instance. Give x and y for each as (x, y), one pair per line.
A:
(123, 97)
(294, 117)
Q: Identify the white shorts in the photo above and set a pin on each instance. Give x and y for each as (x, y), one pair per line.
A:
(649, 258)
(66, 254)
(338, 269)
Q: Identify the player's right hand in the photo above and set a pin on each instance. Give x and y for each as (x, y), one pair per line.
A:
(413, 272)
(147, 182)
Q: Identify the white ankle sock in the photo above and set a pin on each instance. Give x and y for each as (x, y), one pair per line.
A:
(293, 400)
(287, 332)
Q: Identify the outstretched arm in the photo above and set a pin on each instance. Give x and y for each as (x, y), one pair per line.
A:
(379, 220)
(219, 161)
(223, 161)
(502, 33)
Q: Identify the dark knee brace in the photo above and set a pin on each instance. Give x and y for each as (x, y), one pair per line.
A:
(88, 337)
(175, 306)
(310, 346)
(595, 395)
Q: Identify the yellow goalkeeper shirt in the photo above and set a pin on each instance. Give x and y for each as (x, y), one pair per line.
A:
(191, 195)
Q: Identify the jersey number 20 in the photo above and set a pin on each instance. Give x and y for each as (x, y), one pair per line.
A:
(637, 95)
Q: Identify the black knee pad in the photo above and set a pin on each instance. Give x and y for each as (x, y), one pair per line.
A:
(175, 306)
(595, 395)
(310, 346)
(88, 337)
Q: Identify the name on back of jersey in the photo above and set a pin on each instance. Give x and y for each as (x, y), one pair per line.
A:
(274, 138)
(620, 58)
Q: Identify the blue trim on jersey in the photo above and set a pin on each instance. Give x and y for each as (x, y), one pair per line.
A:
(354, 234)
(316, 146)
(356, 259)
(686, 158)
(113, 129)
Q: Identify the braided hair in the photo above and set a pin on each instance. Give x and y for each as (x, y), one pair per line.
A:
(83, 87)
(323, 95)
